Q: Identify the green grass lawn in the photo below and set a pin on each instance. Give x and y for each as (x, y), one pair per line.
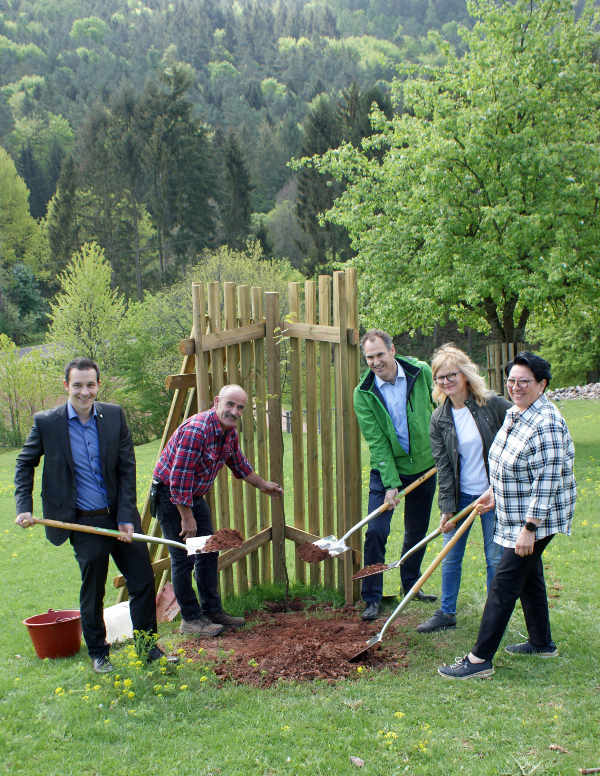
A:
(60, 718)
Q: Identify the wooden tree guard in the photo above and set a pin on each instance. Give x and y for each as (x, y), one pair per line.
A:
(498, 356)
(236, 337)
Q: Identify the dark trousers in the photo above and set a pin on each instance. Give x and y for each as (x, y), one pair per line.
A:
(92, 553)
(515, 578)
(202, 565)
(417, 510)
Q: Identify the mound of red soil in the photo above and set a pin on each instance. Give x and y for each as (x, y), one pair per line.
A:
(298, 646)
(310, 553)
(374, 568)
(223, 539)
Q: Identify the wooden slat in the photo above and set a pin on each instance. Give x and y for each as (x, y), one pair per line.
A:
(275, 435)
(237, 496)
(201, 360)
(260, 402)
(247, 379)
(229, 336)
(297, 423)
(327, 457)
(226, 559)
(340, 314)
(182, 382)
(222, 481)
(312, 436)
(353, 461)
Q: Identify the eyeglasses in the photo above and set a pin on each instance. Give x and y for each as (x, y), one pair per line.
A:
(450, 377)
(521, 383)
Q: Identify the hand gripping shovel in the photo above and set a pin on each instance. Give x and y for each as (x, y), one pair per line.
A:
(191, 546)
(369, 571)
(378, 638)
(334, 547)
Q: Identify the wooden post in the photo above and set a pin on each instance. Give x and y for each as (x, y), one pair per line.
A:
(312, 442)
(214, 315)
(233, 376)
(297, 423)
(248, 428)
(275, 435)
(342, 420)
(326, 429)
(353, 461)
(264, 501)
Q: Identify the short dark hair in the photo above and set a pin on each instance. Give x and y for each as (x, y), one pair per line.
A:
(81, 363)
(538, 365)
(374, 334)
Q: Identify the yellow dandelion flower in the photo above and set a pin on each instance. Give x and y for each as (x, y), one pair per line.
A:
(399, 714)
(131, 694)
(285, 728)
(117, 683)
(203, 678)
(59, 691)
(181, 651)
(85, 697)
(201, 650)
(127, 682)
(96, 687)
(360, 669)
(189, 660)
(183, 687)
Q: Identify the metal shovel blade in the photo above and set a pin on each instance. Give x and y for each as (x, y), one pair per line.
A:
(196, 544)
(332, 545)
(372, 642)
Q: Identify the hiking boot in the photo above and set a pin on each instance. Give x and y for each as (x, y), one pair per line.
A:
(464, 669)
(226, 620)
(371, 611)
(438, 621)
(525, 648)
(200, 627)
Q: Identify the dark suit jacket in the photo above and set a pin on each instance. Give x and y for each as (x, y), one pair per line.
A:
(50, 437)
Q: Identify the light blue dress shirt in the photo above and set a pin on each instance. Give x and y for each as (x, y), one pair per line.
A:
(394, 394)
(85, 449)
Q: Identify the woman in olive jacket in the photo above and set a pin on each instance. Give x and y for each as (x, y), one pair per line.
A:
(461, 432)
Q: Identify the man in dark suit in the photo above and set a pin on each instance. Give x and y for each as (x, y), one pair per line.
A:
(89, 478)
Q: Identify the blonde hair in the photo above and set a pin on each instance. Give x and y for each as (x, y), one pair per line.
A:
(450, 355)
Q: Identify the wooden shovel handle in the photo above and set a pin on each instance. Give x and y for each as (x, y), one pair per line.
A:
(77, 527)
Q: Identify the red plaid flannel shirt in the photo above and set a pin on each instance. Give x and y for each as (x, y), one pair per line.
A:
(194, 455)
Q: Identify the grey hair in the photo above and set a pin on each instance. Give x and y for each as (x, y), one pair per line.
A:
(372, 334)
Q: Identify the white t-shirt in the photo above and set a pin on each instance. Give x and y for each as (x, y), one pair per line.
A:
(473, 476)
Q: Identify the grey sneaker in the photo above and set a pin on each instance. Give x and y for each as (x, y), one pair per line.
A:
(200, 627)
(438, 621)
(464, 669)
(525, 648)
(102, 665)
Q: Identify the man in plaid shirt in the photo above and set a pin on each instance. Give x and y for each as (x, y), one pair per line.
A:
(533, 489)
(186, 469)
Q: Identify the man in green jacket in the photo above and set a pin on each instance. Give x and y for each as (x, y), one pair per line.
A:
(393, 406)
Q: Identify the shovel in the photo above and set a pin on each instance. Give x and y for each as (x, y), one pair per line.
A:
(397, 563)
(335, 547)
(191, 546)
(378, 638)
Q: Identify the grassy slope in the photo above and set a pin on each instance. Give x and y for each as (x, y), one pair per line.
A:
(59, 718)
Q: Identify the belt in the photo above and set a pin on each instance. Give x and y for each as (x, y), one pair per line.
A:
(92, 512)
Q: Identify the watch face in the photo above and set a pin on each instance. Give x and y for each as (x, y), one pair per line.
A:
(531, 527)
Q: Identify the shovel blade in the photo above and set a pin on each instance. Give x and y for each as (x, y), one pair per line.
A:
(372, 643)
(196, 544)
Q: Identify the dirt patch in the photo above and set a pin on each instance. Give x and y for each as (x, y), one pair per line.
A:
(224, 539)
(316, 643)
(310, 553)
(374, 568)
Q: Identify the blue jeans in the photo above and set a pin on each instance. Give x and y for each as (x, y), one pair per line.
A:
(452, 563)
(202, 565)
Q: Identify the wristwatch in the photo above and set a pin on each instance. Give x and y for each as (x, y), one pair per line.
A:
(530, 527)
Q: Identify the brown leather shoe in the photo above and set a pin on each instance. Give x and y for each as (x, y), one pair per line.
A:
(226, 620)
(202, 627)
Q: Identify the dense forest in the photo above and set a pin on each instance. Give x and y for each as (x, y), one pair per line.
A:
(163, 129)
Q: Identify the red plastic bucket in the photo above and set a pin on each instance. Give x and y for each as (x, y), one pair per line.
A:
(56, 633)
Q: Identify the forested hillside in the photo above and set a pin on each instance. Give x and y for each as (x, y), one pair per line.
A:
(163, 128)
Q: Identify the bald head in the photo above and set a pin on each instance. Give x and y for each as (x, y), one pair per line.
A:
(230, 403)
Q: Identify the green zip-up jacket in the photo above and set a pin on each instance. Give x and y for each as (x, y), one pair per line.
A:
(387, 456)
